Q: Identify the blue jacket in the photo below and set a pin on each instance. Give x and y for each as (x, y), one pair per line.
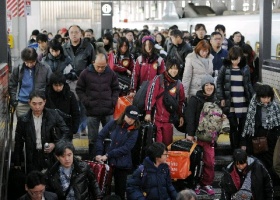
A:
(123, 140)
(218, 58)
(151, 182)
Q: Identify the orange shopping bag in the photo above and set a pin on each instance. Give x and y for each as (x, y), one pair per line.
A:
(179, 163)
(121, 105)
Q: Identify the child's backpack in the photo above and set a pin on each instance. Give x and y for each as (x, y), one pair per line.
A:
(210, 122)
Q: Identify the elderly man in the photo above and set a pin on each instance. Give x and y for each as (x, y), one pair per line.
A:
(82, 54)
(98, 90)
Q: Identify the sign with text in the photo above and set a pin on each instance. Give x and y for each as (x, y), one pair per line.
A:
(106, 17)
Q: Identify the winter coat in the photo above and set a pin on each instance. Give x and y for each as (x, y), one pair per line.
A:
(57, 64)
(47, 195)
(123, 64)
(155, 94)
(261, 184)
(83, 57)
(194, 72)
(123, 140)
(83, 181)
(180, 53)
(223, 91)
(193, 111)
(40, 79)
(146, 70)
(66, 102)
(150, 183)
(98, 91)
(25, 134)
(196, 40)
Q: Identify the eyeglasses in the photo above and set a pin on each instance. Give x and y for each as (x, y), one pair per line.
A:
(166, 154)
(36, 193)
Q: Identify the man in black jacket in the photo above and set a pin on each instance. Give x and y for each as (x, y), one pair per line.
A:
(98, 90)
(179, 50)
(35, 188)
(39, 129)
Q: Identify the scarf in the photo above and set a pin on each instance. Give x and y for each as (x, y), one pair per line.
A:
(272, 117)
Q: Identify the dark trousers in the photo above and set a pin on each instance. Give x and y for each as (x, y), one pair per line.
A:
(236, 129)
(120, 176)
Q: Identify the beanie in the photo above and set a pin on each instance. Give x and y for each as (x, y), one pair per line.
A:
(207, 79)
(148, 37)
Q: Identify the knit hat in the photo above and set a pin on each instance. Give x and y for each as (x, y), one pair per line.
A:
(148, 37)
(207, 79)
(132, 112)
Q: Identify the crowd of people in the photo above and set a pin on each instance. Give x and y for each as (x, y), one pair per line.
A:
(69, 84)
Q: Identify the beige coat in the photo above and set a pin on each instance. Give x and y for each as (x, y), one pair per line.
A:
(194, 72)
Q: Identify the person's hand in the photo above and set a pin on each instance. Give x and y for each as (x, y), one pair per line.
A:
(131, 94)
(244, 148)
(181, 122)
(128, 72)
(17, 167)
(50, 148)
(148, 118)
(98, 158)
(104, 158)
(223, 103)
(190, 138)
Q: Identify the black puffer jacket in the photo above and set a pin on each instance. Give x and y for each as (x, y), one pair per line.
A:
(195, 106)
(57, 64)
(83, 180)
(66, 102)
(261, 184)
(25, 133)
(224, 83)
(98, 91)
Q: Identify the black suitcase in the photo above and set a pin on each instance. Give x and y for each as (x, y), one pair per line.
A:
(196, 164)
(146, 136)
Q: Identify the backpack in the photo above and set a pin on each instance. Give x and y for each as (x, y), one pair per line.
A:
(210, 122)
(140, 96)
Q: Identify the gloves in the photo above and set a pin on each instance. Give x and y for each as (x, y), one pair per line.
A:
(14, 103)
(72, 75)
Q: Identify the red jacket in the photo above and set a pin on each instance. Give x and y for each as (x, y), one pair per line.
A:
(123, 64)
(155, 89)
(145, 71)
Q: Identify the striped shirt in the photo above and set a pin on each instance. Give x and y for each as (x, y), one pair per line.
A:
(238, 101)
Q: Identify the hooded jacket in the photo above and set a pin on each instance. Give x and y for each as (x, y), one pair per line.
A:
(151, 181)
(195, 106)
(261, 183)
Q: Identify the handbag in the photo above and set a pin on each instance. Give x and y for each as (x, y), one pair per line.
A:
(179, 163)
(260, 144)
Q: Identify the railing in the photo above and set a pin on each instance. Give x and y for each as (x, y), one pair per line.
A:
(5, 137)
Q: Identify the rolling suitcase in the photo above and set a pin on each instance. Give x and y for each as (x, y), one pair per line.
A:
(196, 162)
(146, 136)
(103, 173)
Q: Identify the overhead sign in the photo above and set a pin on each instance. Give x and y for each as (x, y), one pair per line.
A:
(27, 7)
(106, 17)
(107, 9)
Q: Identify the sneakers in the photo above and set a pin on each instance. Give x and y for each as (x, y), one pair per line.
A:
(208, 190)
(197, 189)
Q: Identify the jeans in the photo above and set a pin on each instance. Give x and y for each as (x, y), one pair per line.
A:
(93, 126)
(83, 117)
